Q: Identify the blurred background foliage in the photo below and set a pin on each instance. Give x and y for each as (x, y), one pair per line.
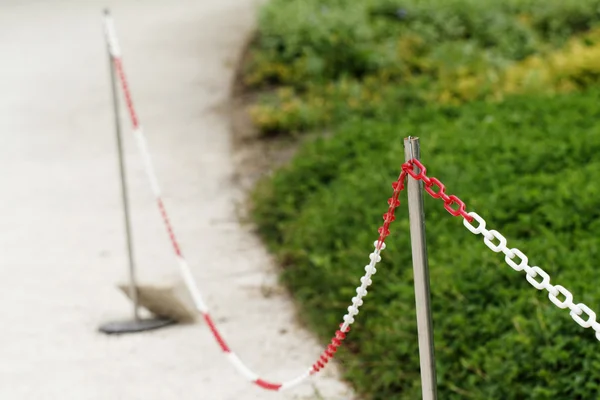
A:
(333, 58)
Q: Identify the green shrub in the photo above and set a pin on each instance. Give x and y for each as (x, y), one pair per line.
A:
(529, 166)
(325, 40)
(575, 66)
(408, 51)
(285, 110)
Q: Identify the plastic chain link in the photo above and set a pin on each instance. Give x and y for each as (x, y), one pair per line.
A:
(537, 277)
(188, 278)
(455, 206)
(365, 281)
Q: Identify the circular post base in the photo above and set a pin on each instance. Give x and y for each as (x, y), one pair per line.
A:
(133, 326)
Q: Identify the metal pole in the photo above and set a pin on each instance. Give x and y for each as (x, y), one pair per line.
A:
(421, 275)
(132, 278)
(137, 324)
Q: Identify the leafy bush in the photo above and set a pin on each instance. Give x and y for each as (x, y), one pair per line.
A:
(530, 167)
(325, 40)
(576, 66)
(286, 110)
(414, 50)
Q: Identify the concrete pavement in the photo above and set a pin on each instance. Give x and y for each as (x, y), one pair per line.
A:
(61, 241)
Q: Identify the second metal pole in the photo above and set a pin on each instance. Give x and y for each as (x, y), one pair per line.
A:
(421, 275)
(132, 278)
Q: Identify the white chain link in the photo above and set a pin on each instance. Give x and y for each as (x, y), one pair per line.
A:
(537, 277)
(365, 281)
(111, 36)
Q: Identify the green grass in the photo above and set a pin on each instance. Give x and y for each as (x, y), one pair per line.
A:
(530, 167)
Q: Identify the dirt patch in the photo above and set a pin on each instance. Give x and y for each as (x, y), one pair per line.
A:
(254, 155)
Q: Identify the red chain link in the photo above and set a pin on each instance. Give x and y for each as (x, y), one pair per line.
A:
(393, 203)
(330, 351)
(452, 204)
(384, 232)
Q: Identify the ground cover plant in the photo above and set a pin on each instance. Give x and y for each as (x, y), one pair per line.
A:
(335, 58)
(530, 167)
(503, 95)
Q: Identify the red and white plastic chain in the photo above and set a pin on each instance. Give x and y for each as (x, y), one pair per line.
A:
(510, 254)
(370, 270)
(202, 308)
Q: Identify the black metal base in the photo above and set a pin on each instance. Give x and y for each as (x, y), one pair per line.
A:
(133, 326)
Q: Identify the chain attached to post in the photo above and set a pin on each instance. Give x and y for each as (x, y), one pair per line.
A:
(515, 258)
(449, 201)
(420, 268)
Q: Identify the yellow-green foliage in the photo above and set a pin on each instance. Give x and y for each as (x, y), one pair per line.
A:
(575, 66)
(342, 57)
(472, 75)
(286, 109)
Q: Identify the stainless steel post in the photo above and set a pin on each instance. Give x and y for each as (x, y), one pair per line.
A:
(137, 324)
(421, 275)
(132, 276)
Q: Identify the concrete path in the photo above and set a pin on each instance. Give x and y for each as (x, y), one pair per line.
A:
(61, 240)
